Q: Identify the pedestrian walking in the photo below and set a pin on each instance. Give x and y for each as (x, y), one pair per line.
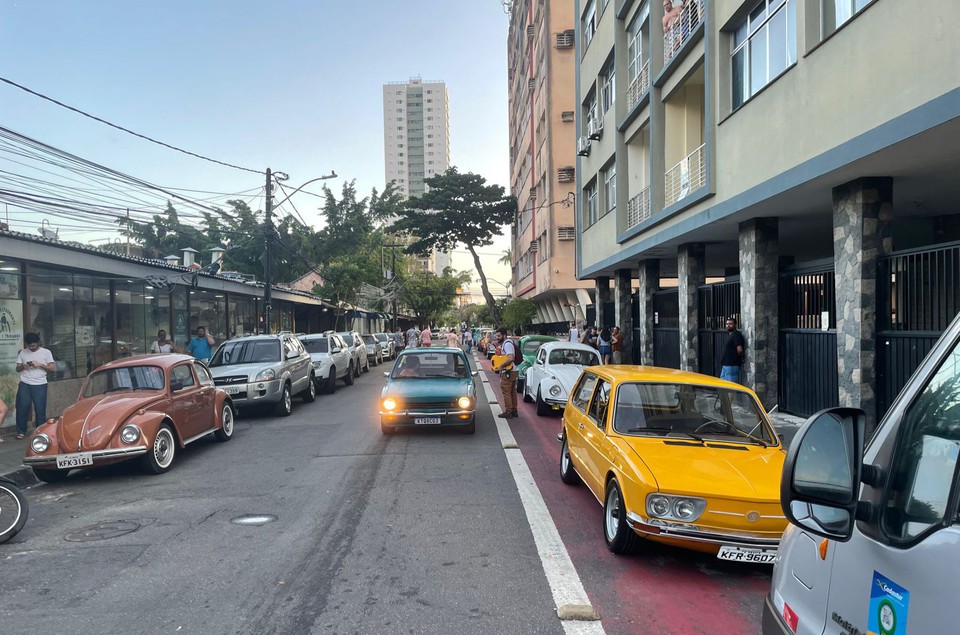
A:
(603, 345)
(453, 340)
(508, 376)
(33, 364)
(616, 345)
(426, 337)
(466, 340)
(162, 344)
(574, 332)
(201, 346)
(412, 337)
(398, 340)
(733, 353)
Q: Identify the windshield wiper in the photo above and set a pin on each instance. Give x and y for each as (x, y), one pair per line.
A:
(737, 430)
(693, 436)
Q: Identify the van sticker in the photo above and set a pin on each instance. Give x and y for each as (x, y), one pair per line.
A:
(888, 607)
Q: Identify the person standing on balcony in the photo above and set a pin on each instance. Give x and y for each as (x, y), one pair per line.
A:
(733, 353)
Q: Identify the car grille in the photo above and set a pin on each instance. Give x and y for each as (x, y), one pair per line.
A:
(226, 381)
(432, 405)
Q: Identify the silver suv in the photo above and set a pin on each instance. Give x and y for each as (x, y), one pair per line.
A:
(264, 369)
(332, 360)
(361, 363)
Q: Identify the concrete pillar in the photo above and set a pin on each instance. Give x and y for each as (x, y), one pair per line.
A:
(862, 212)
(623, 313)
(602, 296)
(759, 306)
(649, 282)
(583, 297)
(691, 274)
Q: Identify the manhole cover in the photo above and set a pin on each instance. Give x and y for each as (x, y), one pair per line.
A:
(254, 519)
(102, 531)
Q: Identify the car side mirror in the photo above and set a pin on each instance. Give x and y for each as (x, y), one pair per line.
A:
(386, 373)
(293, 355)
(473, 373)
(335, 350)
(820, 484)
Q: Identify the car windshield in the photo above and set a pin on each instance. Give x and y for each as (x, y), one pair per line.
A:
(347, 339)
(368, 339)
(427, 365)
(689, 410)
(247, 352)
(574, 356)
(381, 336)
(127, 378)
(318, 345)
(530, 347)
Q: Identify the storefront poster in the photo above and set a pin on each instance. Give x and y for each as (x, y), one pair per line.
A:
(11, 341)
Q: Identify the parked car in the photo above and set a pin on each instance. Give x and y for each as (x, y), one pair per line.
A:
(556, 368)
(139, 407)
(264, 370)
(361, 361)
(874, 531)
(388, 348)
(677, 458)
(331, 359)
(429, 387)
(374, 354)
(529, 345)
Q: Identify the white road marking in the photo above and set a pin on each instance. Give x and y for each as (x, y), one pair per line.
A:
(565, 584)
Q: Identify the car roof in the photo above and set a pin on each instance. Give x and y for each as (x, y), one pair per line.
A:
(316, 336)
(262, 336)
(618, 373)
(549, 346)
(163, 360)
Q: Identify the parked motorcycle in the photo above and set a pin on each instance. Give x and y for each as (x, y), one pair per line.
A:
(13, 509)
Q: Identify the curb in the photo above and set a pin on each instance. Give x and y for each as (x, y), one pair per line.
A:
(22, 476)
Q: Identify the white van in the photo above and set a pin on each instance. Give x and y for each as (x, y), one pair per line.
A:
(874, 541)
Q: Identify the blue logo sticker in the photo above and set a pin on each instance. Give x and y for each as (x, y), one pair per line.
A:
(888, 607)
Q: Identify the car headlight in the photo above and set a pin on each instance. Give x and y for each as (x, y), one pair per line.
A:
(390, 404)
(555, 391)
(266, 375)
(40, 443)
(684, 508)
(317, 364)
(464, 402)
(130, 433)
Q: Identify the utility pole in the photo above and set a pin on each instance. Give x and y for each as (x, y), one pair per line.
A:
(267, 255)
(393, 281)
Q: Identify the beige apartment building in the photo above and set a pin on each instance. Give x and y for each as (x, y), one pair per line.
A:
(416, 141)
(801, 156)
(541, 62)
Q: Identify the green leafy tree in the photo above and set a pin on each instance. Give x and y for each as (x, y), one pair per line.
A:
(457, 208)
(431, 297)
(519, 312)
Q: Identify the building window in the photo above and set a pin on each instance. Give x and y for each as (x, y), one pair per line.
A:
(591, 204)
(764, 45)
(635, 43)
(590, 108)
(588, 25)
(610, 187)
(837, 12)
(608, 87)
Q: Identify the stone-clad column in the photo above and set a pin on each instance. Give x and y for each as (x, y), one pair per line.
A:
(759, 307)
(623, 312)
(691, 273)
(602, 296)
(862, 212)
(649, 282)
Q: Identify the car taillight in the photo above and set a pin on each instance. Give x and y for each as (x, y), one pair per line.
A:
(790, 617)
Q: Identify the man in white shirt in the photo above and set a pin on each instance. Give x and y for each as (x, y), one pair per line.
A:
(162, 344)
(33, 364)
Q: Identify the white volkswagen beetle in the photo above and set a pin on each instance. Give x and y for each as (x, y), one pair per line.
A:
(554, 372)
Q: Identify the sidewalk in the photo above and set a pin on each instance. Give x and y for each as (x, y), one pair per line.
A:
(11, 457)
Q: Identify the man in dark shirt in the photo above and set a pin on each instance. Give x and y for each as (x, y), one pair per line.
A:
(732, 358)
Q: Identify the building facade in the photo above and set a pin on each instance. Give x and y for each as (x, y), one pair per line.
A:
(416, 141)
(541, 69)
(801, 154)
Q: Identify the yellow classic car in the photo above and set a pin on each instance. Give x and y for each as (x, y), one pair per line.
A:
(675, 457)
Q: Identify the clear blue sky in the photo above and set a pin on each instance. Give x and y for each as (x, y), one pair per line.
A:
(295, 85)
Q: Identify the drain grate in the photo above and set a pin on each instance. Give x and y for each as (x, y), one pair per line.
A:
(102, 531)
(255, 520)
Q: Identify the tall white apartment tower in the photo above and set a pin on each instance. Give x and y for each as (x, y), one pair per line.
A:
(416, 139)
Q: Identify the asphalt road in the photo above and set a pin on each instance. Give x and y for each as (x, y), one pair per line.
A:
(415, 533)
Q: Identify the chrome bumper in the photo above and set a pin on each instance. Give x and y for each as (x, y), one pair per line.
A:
(417, 413)
(692, 533)
(112, 453)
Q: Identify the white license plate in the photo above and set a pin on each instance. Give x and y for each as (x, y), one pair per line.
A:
(67, 461)
(426, 421)
(232, 391)
(747, 554)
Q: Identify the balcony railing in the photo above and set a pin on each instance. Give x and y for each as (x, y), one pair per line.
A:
(638, 86)
(681, 26)
(685, 177)
(638, 208)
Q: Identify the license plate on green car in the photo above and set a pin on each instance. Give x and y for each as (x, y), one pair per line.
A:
(426, 421)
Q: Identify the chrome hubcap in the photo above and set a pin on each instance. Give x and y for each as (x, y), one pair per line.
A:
(613, 513)
(163, 448)
(287, 399)
(564, 457)
(227, 418)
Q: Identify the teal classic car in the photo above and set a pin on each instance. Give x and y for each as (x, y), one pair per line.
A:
(529, 345)
(429, 387)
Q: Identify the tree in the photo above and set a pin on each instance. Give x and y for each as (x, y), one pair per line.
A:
(457, 208)
(506, 258)
(519, 312)
(430, 296)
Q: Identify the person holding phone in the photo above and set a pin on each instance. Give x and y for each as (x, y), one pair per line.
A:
(162, 344)
(33, 364)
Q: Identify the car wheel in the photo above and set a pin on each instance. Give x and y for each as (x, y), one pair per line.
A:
(14, 510)
(331, 386)
(349, 377)
(159, 457)
(619, 537)
(542, 408)
(225, 431)
(526, 395)
(385, 429)
(50, 476)
(567, 474)
(356, 370)
(310, 394)
(285, 406)
(366, 366)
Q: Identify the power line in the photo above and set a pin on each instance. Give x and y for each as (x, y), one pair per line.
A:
(128, 131)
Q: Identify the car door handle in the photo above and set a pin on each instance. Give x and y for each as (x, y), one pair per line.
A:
(580, 425)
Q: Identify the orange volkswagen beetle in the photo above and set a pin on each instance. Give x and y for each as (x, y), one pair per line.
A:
(142, 407)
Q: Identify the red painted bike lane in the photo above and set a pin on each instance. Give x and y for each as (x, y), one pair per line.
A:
(657, 590)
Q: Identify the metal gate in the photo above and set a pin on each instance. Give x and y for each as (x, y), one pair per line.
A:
(918, 296)
(666, 329)
(717, 302)
(808, 338)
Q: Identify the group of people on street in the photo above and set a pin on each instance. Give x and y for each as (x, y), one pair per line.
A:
(607, 341)
(454, 336)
